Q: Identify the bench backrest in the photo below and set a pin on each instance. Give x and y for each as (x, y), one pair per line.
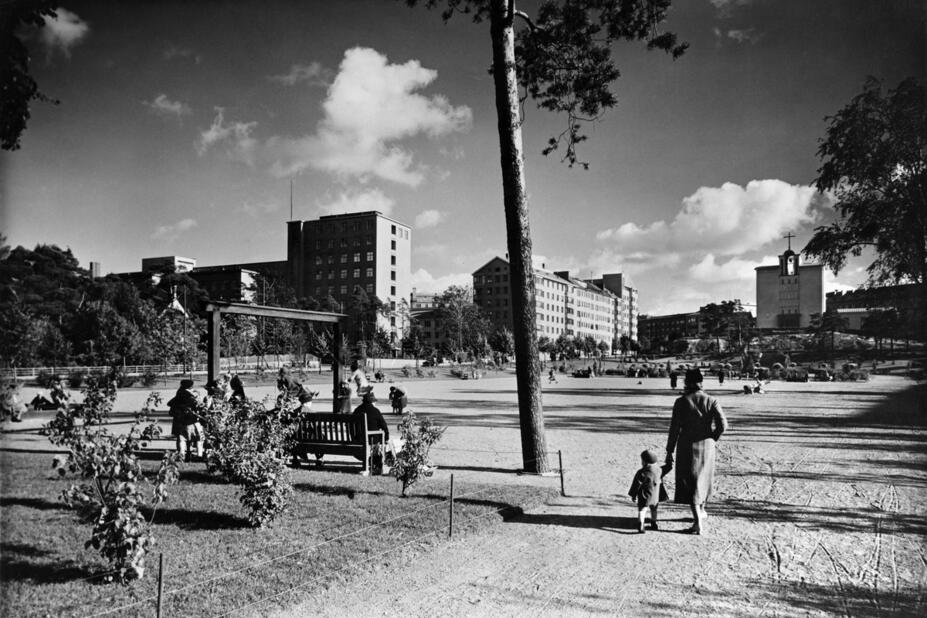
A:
(332, 429)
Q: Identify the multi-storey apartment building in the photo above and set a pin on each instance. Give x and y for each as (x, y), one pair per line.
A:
(336, 254)
(564, 305)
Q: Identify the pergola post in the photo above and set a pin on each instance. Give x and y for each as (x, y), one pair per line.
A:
(213, 345)
(217, 308)
(336, 367)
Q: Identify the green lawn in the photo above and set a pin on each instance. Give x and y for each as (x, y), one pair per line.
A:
(339, 525)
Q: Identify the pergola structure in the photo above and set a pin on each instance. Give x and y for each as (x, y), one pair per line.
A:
(216, 309)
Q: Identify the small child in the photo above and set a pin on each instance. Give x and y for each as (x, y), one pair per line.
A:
(647, 488)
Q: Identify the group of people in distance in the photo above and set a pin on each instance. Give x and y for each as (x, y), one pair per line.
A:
(696, 426)
(185, 420)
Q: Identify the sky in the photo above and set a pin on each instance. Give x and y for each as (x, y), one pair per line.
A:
(182, 125)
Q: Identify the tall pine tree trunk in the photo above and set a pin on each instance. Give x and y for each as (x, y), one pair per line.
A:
(521, 278)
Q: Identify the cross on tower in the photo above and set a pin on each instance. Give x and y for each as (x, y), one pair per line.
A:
(789, 236)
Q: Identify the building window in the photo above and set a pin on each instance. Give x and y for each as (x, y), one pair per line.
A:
(331, 259)
(392, 320)
(331, 274)
(392, 275)
(344, 273)
(392, 290)
(357, 273)
(318, 275)
(369, 272)
(392, 260)
(357, 257)
(344, 258)
(393, 230)
(370, 256)
(344, 290)
(369, 288)
(392, 245)
(318, 259)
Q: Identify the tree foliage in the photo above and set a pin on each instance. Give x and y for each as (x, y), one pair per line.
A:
(111, 496)
(564, 55)
(874, 161)
(17, 87)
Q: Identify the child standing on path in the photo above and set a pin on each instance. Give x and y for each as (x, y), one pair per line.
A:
(647, 488)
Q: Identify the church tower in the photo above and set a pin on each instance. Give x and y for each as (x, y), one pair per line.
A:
(788, 295)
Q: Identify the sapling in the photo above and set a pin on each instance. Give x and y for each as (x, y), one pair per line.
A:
(412, 460)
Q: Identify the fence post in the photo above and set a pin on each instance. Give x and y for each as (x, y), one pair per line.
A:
(450, 528)
(560, 458)
(160, 581)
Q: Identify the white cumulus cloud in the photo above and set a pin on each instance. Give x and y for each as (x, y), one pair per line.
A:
(426, 283)
(234, 137)
(354, 201)
(313, 73)
(429, 218)
(163, 106)
(63, 32)
(371, 106)
(726, 220)
(169, 233)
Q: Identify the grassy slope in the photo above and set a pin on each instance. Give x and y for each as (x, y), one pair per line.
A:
(204, 535)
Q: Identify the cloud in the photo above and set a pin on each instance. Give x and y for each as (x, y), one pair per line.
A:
(313, 73)
(371, 106)
(426, 283)
(169, 233)
(724, 221)
(259, 209)
(63, 32)
(172, 52)
(429, 218)
(747, 35)
(162, 106)
(735, 269)
(352, 201)
(235, 138)
(725, 8)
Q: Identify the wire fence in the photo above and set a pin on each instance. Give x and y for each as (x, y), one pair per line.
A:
(258, 566)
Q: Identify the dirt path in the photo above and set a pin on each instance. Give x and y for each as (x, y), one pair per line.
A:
(819, 510)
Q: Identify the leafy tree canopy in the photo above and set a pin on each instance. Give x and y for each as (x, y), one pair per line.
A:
(564, 54)
(874, 161)
(17, 87)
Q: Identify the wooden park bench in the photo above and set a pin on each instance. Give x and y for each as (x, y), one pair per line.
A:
(335, 434)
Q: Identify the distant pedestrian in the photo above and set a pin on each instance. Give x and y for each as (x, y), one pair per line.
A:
(674, 379)
(551, 378)
(647, 489)
(398, 399)
(721, 376)
(238, 389)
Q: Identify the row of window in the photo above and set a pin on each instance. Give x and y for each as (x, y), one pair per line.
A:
(343, 289)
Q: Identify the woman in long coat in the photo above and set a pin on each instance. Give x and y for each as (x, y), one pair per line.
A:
(697, 424)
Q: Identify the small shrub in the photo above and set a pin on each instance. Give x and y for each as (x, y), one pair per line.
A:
(432, 373)
(419, 373)
(149, 377)
(44, 378)
(112, 496)
(248, 445)
(76, 378)
(412, 461)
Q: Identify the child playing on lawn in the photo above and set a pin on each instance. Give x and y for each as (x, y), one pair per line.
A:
(647, 488)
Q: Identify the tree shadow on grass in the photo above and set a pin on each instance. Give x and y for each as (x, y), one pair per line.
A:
(33, 503)
(186, 519)
(21, 562)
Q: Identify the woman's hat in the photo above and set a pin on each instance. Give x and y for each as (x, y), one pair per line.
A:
(369, 397)
(693, 376)
(649, 457)
(186, 383)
